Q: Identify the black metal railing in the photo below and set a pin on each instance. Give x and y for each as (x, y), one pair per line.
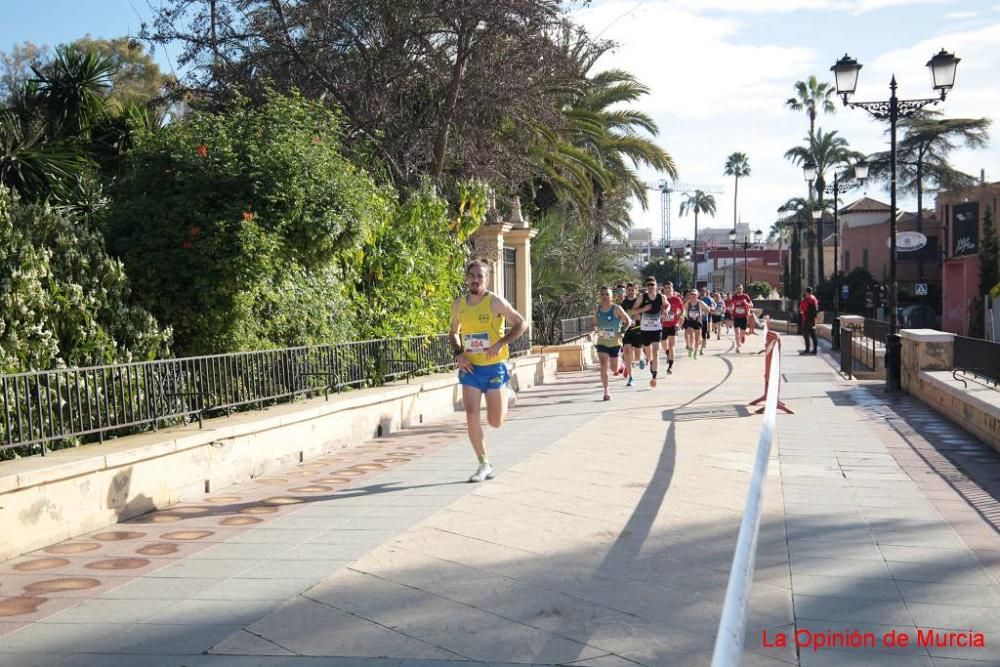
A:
(977, 358)
(872, 336)
(847, 352)
(572, 328)
(40, 410)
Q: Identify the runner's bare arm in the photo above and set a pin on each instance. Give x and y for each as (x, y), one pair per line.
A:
(623, 316)
(455, 338)
(518, 326)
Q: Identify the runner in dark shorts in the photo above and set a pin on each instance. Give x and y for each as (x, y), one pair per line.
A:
(632, 340)
(671, 322)
(694, 311)
(648, 311)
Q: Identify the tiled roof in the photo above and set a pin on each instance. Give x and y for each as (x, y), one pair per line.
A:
(866, 205)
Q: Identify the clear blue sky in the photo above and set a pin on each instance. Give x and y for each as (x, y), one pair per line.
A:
(53, 22)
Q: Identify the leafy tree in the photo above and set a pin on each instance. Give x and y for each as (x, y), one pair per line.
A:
(230, 222)
(435, 87)
(566, 271)
(989, 254)
(135, 76)
(697, 202)
(922, 156)
(737, 166)
(800, 224)
(64, 301)
(415, 255)
(812, 97)
(826, 150)
(759, 290)
(16, 68)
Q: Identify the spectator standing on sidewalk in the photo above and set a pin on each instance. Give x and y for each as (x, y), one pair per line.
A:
(809, 309)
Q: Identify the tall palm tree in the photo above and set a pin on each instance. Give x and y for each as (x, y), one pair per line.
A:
(826, 150)
(697, 202)
(602, 142)
(737, 165)
(812, 97)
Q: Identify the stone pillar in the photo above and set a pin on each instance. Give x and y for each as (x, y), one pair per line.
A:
(925, 350)
(487, 243)
(519, 238)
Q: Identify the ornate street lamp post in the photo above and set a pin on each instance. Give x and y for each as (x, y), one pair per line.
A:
(942, 67)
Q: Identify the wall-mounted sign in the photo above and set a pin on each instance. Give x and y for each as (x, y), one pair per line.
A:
(920, 289)
(965, 229)
(907, 241)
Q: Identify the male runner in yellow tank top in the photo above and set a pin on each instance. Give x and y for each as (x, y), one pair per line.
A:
(480, 349)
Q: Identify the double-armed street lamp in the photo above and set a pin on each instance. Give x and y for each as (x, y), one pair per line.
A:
(757, 237)
(942, 67)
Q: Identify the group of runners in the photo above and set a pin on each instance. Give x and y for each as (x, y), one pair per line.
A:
(631, 326)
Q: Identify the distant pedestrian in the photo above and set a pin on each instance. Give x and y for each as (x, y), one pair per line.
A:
(808, 310)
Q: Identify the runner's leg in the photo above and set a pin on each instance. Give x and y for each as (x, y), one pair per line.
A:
(471, 400)
(604, 359)
(496, 408)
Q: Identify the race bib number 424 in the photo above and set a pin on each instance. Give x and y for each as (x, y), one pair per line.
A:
(477, 342)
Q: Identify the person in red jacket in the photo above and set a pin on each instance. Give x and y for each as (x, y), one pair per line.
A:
(742, 305)
(809, 309)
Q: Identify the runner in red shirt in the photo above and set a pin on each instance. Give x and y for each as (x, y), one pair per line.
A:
(809, 308)
(742, 303)
(729, 311)
(672, 320)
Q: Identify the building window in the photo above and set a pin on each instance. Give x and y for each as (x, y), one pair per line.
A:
(864, 259)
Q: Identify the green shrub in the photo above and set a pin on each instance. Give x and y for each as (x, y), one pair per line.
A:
(410, 267)
(63, 300)
(231, 225)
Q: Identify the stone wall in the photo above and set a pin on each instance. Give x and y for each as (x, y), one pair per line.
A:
(44, 500)
(927, 360)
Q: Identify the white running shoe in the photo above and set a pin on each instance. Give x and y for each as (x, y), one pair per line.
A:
(483, 472)
(511, 398)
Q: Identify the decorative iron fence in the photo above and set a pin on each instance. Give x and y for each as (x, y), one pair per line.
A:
(70, 405)
(874, 334)
(575, 327)
(977, 358)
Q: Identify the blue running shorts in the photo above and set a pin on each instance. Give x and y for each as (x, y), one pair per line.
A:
(485, 378)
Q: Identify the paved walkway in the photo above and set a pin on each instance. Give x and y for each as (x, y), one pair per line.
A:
(605, 540)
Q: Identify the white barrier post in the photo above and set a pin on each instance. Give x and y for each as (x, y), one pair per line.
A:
(732, 626)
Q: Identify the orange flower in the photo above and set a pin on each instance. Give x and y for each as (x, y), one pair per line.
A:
(247, 216)
(203, 150)
(196, 231)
